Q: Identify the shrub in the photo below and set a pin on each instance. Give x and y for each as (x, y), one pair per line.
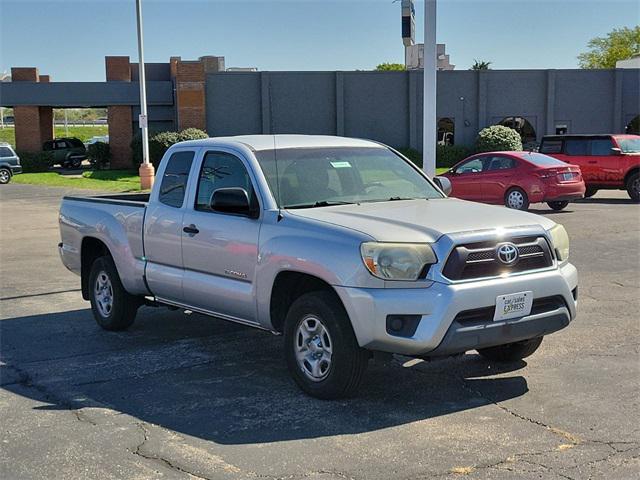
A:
(99, 154)
(446, 155)
(159, 142)
(33, 162)
(191, 134)
(498, 138)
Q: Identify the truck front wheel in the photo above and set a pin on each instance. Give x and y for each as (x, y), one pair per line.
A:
(633, 186)
(322, 353)
(113, 307)
(511, 351)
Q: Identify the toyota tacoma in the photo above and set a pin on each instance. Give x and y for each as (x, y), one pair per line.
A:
(341, 245)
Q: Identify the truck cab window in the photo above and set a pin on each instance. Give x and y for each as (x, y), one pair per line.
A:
(221, 170)
(174, 180)
(601, 146)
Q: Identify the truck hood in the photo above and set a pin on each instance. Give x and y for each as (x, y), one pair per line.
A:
(421, 220)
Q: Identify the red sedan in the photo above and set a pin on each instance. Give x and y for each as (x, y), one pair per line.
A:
(516, 179)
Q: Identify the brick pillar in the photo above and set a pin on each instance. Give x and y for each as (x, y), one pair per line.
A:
(119, 117)
(46, 117)
(190, 93)
(33, 124)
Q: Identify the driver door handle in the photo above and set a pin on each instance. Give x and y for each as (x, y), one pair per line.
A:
(191, 229)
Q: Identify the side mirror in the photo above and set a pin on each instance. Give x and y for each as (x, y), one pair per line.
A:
(232, 200)
(444, 184)
(616, 151)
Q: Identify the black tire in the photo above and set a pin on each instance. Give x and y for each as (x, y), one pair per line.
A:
(590, 192)
(557, 206)
(523, 204)
(5, 176)
(511, 352)
(72, 163)
(348, 361)
(124, 306)
(633, 186)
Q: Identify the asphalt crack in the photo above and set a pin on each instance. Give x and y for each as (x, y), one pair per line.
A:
(25, 380)
(573, 439)
(163, 461)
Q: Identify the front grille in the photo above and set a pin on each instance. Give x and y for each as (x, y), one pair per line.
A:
(480, 259)
(479, 316)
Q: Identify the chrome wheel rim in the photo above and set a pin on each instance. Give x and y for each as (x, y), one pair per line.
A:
(4, 176)
(314, 348)
(103, 294)
(515, 200)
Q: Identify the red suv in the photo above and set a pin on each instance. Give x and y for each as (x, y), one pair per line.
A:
(516, 179)
(606, 161)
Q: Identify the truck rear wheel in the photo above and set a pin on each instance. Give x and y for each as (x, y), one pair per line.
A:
(113, 307)
(633, 186)
(511, 351)
(321, 350)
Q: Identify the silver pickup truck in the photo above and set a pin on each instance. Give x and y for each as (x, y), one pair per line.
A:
(341, 245)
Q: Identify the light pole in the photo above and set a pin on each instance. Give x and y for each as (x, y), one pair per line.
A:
(146, 170)
(429, 123)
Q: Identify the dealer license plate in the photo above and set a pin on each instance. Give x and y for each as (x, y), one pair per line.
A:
(513, 306)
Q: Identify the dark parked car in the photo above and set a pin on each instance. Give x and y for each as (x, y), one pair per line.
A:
(67, 152)
(9, 163)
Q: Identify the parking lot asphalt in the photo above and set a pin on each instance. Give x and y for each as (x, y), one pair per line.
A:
(185, 396)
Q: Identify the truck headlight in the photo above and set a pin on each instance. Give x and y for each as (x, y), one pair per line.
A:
(560, 242)
(397, 261)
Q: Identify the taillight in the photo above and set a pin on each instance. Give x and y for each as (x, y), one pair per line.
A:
(545, 174)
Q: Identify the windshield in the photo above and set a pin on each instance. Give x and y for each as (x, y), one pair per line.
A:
(629, 144)
(543, 160)
(318, 177)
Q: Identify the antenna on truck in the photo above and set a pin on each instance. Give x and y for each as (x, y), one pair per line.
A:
(275, 161)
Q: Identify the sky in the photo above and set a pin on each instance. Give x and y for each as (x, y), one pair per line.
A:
(69, 39)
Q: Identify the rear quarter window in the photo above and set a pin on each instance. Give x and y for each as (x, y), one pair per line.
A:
(5, 152)
(551, 146)
(174, 179)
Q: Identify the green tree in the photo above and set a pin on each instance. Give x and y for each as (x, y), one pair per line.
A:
(390, 67)
(604, 52)
(480, 65)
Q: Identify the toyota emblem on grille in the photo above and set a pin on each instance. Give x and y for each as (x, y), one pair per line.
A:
(507, 253)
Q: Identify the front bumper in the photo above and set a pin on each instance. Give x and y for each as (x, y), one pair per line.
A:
(15, 169)
(438, 305)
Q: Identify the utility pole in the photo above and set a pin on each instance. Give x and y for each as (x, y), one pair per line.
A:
(429, 96)
(146, 170)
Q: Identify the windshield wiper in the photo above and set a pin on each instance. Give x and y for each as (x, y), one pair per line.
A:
(323, 203)
(392, 199)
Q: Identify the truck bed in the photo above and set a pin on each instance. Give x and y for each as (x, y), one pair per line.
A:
(117, 221)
